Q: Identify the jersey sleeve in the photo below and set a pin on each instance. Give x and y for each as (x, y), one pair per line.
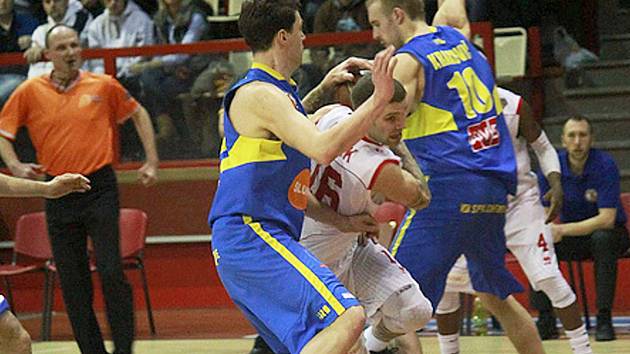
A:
(367, 161)
(122, 103)
(14, 113)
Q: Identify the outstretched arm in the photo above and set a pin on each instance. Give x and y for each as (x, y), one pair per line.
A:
(57, 187)
(453, 13)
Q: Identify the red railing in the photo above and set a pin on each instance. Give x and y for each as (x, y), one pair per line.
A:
(482, 29)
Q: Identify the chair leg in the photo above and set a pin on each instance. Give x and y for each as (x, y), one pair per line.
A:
(49, 291)
(587, 316)
(147, 299)
(7, 286)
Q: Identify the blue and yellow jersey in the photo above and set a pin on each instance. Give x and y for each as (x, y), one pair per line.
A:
(458, 125)
(262, 178)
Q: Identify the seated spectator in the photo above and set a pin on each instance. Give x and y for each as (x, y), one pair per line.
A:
(592, 221)
(309, 11)
(95, 7)
(122, 24)
(68, 12)
(165, 77)
(15, 36)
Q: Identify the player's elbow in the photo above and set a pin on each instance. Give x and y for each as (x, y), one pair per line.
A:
(418, 197)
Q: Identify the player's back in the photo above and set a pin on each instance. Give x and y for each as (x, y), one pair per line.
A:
(458, 125)
(264, 179)
(344, 185)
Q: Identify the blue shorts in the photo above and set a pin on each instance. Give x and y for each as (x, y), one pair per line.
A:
(286, 293)
(4, 305)
(466, 216)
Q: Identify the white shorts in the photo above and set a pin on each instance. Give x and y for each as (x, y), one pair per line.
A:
(528, 238)
(369, 271)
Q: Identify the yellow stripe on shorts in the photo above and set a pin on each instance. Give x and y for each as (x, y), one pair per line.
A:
(403, 231)
(308, 274)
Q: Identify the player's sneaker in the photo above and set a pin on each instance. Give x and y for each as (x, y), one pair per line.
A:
(260, 347)
(605, 330)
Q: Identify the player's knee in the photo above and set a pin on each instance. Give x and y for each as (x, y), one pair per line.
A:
(449, 303)
(355, 319)
(558, 291)
(23, 342)
(407, 310)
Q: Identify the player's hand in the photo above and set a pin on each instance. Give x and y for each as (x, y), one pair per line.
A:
(453, 13)
(33, 54)
(359, 223)
(27, 170)
(555, 196)
(345, 72)
(557, 231)
(383, 75)
(24, 42)
(66, 184)
(147, 174)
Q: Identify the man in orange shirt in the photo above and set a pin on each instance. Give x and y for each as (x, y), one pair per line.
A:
(70, 117)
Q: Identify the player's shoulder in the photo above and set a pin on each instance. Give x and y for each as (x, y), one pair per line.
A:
(334, 114)
(602, 160)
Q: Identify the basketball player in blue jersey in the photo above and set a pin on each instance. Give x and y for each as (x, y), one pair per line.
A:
(13, 337)
(460, 140)
(293, 300)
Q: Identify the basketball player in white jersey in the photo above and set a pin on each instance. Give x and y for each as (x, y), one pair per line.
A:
(392, 300)
(527, 233)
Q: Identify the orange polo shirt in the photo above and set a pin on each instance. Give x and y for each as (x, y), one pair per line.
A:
(71, 129)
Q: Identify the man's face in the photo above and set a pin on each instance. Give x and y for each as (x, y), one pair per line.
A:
(115, 7)
(295, 41)
(64, 50)
(6, 7)
(384, 30)
(388, 128)
(577, 139)
(56, 9)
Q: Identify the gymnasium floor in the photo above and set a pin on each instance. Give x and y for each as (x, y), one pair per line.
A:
(225, 331)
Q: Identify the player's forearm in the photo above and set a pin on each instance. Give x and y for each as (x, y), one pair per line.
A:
(344, 135)
(409, 163)
(322, 213)
(587, 226)
(8, 153)
(315, 99)
(19, 187)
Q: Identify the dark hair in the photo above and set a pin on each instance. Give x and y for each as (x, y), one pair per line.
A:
(413, 8)
(579, 118)
(364, 88)
(260, 21)
(55, 26)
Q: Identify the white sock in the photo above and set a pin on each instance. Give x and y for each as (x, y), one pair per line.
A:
(449, 344)
(372, 343)
(578, 338)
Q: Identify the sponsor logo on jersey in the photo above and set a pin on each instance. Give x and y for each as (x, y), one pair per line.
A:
(298, 190)
(590, 195)
(484, 134)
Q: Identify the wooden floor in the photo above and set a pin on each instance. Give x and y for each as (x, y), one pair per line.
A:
(224, 331)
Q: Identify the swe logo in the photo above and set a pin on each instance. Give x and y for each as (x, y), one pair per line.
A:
(483, 135)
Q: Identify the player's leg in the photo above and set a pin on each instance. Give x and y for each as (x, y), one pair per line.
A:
(13, 337)
(516, 321)
(286, 292)
(392, 299)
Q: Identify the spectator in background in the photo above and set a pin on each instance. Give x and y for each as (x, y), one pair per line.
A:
(15, 36)
(68, 12)
(165, 77)
(341, 16)
(309, 11)
(592, 221)
(95, 7)
(122, 24)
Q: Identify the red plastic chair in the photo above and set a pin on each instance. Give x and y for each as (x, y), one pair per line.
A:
(31, 251)
(133, 232)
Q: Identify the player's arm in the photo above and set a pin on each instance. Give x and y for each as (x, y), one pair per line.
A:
(453, 13)
(547, 156)
(605, 219)
(339, 75)
(144, 127)
(410, 73)
(400, 186)
(355, 223)
(274, 112)
(18, 168)
(57, 187)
